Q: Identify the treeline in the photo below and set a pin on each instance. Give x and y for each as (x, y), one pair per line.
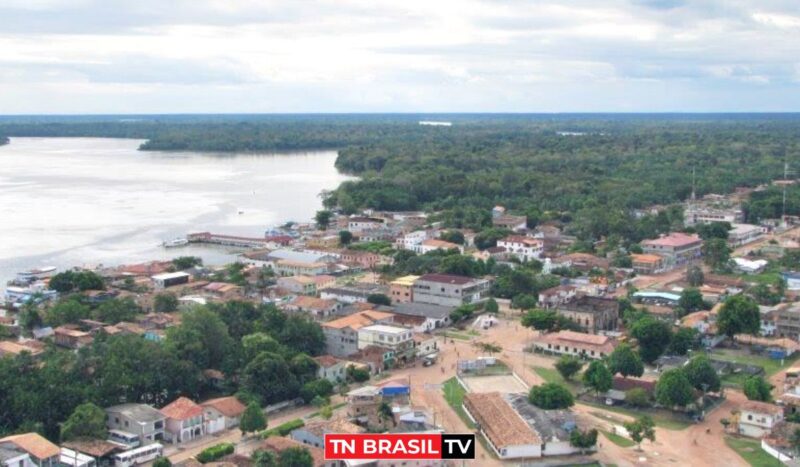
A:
(263, 354)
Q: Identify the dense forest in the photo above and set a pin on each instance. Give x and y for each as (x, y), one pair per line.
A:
(588, 171)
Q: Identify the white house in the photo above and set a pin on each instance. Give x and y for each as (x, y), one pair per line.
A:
(184, 420)
(222, 413)
(331, 368)
(757, 419)
(523, 248)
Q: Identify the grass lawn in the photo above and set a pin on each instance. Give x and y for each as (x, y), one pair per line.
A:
(750, 450)
(454, 395)
(661, 418)
(620, 441)
(551, 375)
(771, 366)
(457, 335)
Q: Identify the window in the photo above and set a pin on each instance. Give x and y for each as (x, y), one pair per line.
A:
(749, 417)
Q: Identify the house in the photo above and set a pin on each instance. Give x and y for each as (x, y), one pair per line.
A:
(553, 427)
(594, 314)
(70, 338)
(331, 368)
(271, 258)
(792, 279)
(757, 419)
(434, 316)
(787, 323)
(391, 337)
(676, 248)
(433, 244)
(323, 241)
(99, 450)
(580, 261)
(317, 307)
(425, 344)
(742, 234)
(555, 296)
(374, 358)
(509, 436)
(169, 279)
(286, 267)
(304, 285)
(341, 335)
(647, 263)
(364, 259)
(701, 214)
(450, 290)
(523, 248)
(513, 223)
(313, 433)
(401, 290)
(357, 224)
(352, 293)
(750, 266)
(576, 343)
(14, 348)
(412, 241)
(363, 403)
(184, 420)
(324, 281)
(222, 413)
(27, 450)
(139, 420)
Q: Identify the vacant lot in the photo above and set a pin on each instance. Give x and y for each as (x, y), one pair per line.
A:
(501, 383)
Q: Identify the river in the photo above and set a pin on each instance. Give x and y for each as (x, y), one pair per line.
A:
(89, 201)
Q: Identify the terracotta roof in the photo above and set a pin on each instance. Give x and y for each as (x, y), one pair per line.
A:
(761, 407)
(181, 409)
(501, 423)
(440, 244)
(645, 258)
(358, 320)
(312, 303)
(626, 384)
(93, 447)
(278, 444)
(15, 348)
(522, 239)
(337, 425)
(674, 239)
(603, 343)
(228, 406)
(34, 444)
(326, 361)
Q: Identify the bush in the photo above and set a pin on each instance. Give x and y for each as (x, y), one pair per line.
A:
(359, 375)
(283, 429)
(215, 452)
(318, 388)
(637, 397)
(550, 396)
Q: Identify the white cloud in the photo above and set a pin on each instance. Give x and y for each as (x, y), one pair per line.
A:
(382, 55)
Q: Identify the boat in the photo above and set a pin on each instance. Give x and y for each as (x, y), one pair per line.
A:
(175, 242)
(241, 211)
(36, 273)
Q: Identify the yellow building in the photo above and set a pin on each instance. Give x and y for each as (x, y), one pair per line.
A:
(401, 289)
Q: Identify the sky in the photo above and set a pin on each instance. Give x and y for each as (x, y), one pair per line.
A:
(264, 56)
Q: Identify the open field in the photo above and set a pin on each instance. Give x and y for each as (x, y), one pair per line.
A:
(661, 418)
(501, 383)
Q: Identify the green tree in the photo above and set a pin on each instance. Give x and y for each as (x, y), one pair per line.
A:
(568, 366)
(379, 299)
(598, 377)
(637, 397)
(641, 429)
(187, 262)
(691, 300)
(452, 236)
(674, 389)
(583, 439)
(739, 315)
(695, 276)
(165, 302)
(385, 413)
(358, 375)
(202, 338)
(258, 342)
(86, 421)
(302, 334)
(326, 412)
(653, 337)
(756, 388)
(253, 419)
(295, 457)
(541, 320)
(323, 218)
(551, 396)
(264, 458)
(714, 230)
(702, 375)
(269, 377)
(491, 306)
(305, 369)
(345, 237)
(70, 310)
(162, 462)
(683, 340)
(625, 361)
(716, 253)
(117, 309)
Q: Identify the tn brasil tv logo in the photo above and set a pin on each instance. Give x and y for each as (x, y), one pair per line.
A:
(400, 446)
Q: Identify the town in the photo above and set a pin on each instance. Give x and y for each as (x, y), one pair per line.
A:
(677, 350)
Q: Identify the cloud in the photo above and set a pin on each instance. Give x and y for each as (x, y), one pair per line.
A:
(356, 55)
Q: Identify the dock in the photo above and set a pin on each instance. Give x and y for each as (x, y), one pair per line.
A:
(228, 240)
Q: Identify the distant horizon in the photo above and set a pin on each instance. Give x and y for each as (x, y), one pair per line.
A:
(400, 113)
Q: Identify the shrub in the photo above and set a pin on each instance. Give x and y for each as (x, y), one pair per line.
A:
(215, 452)
(283, 429)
